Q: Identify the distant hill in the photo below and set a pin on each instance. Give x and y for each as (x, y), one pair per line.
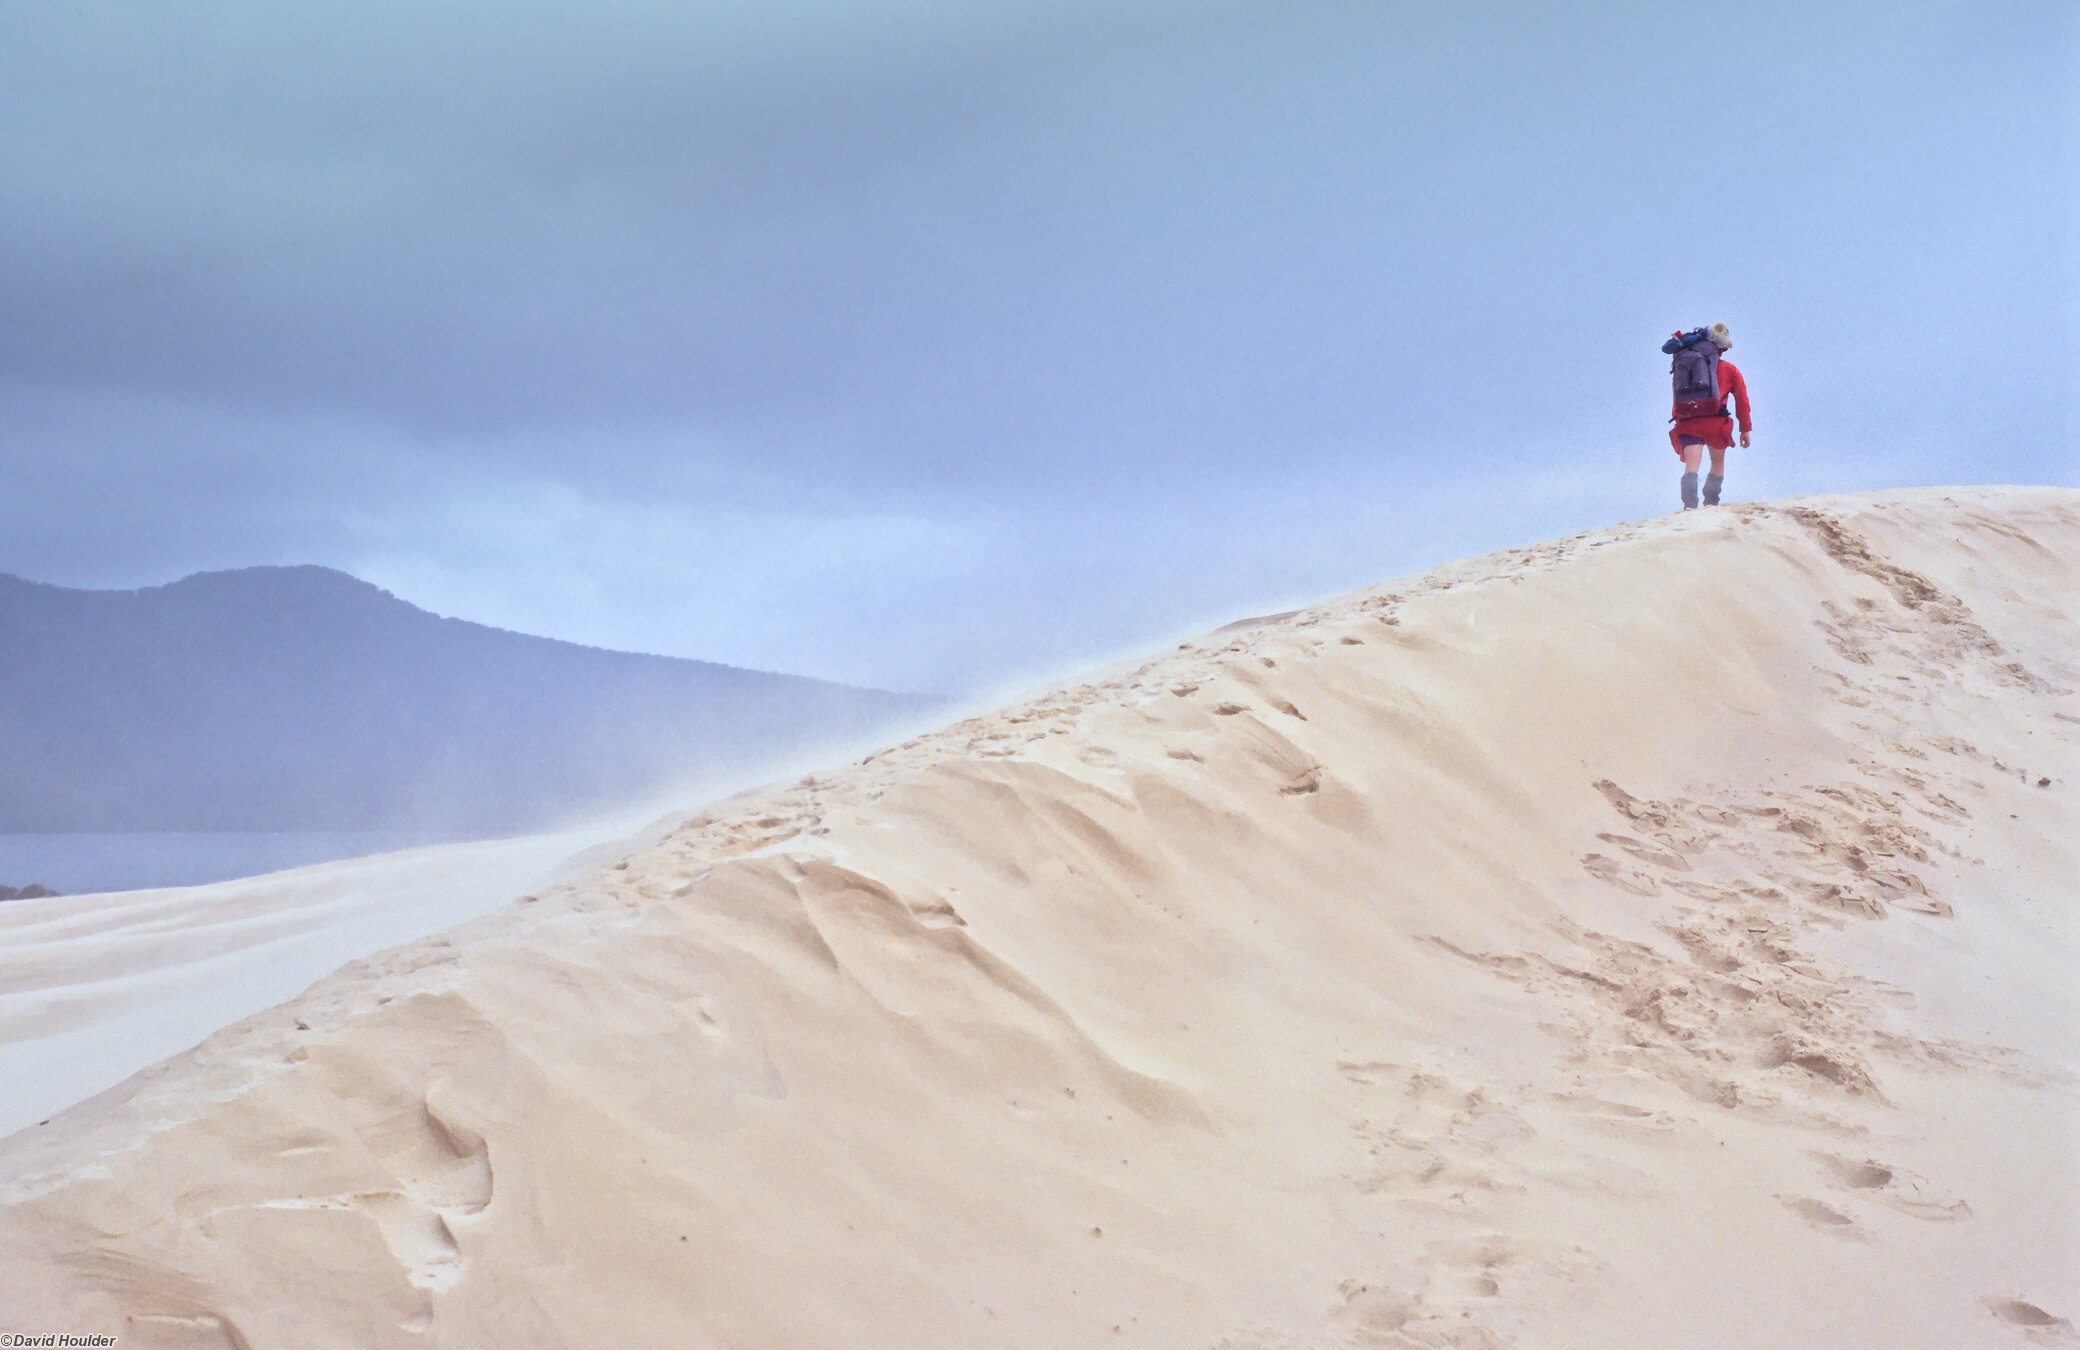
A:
(289, 698)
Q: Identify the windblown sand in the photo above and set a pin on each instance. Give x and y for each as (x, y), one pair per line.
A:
(1661, 937)
(95, 987)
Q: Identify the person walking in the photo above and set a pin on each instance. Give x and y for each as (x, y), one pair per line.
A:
(1704, 379)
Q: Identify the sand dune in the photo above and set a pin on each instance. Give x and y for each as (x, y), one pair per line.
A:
(95, 987)
(1660, 937)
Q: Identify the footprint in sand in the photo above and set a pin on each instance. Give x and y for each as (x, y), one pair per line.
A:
(1612, 872)
(1856, 1176)
(1898, 1190)
(1821, 1215)
(1304, 784)
(2046, 1328)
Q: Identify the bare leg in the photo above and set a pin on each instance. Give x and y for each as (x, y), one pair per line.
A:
(1714, 480)
(1691, 455)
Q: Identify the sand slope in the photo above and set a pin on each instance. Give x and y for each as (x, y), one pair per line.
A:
(1664, 936)
(95, 987)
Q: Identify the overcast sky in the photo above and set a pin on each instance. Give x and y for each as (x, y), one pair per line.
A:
(930, 344)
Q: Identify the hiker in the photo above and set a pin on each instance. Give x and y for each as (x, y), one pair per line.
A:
(1703, 379)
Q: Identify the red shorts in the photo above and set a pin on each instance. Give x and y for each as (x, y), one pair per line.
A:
(1714, 433)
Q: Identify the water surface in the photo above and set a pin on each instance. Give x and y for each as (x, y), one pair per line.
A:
(76, 864)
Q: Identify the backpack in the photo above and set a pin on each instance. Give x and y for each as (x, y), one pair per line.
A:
(1694, 373)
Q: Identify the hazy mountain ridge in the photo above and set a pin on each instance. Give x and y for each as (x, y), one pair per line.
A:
(302, 697)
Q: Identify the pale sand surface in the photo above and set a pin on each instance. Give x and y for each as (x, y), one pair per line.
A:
(1657, 937)
(95, 987)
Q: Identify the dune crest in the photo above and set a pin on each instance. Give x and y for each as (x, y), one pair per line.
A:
(1662, 936)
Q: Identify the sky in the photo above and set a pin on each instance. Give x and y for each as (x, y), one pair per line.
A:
(939, 346)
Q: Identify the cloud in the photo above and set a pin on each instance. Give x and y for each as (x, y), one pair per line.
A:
(1014, 308)
(676, 577)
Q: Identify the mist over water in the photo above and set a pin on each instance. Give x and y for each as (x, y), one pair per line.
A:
(249, 721)
(83, 863)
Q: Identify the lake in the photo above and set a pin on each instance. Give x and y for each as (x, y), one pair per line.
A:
(77, 864)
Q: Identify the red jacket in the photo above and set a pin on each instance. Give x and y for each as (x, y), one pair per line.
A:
(1716, 429)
